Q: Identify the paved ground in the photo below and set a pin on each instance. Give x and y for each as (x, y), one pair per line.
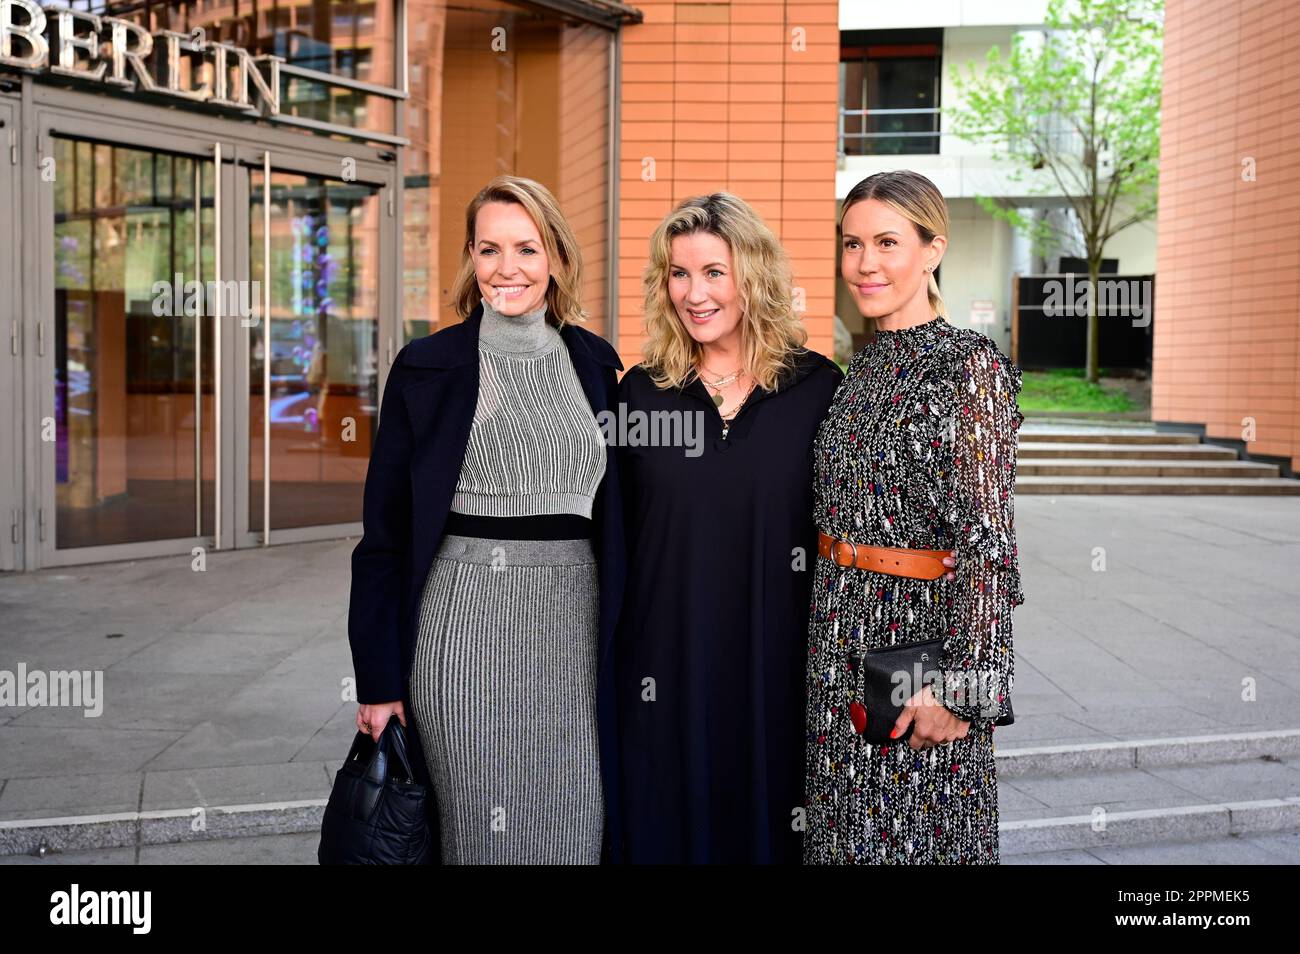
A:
(1261, 849)
(226, 687)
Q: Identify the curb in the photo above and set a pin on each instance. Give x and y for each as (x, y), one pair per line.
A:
(165, 826)
(1140, 753)
(1184, 823)
(1091, 417)
(176, 825)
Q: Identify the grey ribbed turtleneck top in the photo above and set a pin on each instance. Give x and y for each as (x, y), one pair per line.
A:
(535, 447)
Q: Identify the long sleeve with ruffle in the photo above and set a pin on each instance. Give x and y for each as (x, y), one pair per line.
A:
(977, 663)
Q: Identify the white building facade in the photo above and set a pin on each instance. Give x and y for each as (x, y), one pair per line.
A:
(896, 92)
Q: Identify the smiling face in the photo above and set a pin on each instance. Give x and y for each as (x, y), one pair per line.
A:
(510, 261)
(883, 261)
(702, 288)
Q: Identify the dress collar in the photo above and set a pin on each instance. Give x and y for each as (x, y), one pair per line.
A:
(923, 330)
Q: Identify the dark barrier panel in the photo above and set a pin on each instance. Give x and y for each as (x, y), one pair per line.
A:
(1052, 319)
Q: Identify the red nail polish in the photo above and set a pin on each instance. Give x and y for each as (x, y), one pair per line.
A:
(893, 733)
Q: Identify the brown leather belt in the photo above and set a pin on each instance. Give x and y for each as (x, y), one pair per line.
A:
(896, 561)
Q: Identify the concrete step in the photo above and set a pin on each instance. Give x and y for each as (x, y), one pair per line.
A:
(165, 826)
(289, 849)
(1100, 828)
(1277, 486)
(1039, 789)
(1264, 848)
(1098, 467)
(1087, 797)
(1035, 450)
(1148, 753)
(1103, 437)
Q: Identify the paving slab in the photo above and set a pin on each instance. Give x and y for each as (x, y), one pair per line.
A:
(227, 687)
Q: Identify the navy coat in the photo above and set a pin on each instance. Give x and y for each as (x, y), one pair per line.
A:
(424, 427)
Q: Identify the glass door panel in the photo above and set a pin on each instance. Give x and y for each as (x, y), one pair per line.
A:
(133, 417)
(321, 368)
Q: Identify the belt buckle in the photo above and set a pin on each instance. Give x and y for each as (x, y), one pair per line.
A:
(853, 560)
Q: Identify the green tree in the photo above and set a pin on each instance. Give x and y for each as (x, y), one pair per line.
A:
(1076, 110)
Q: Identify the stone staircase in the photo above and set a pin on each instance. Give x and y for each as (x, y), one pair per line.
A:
(1096, 460)
(1109, 796)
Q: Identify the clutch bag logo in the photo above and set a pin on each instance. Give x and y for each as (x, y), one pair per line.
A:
(120, 53)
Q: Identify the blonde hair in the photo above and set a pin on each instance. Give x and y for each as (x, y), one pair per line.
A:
(770, 331)
(563, 291)
(917, 199)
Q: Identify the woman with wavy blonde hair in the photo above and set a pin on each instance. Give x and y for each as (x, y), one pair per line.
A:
(709, 652)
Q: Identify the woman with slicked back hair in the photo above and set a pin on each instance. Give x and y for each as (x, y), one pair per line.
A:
(709, 653)
(486, 586)
(915, 468)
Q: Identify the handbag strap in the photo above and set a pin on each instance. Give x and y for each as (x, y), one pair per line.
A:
(379, 755)
(396, 737)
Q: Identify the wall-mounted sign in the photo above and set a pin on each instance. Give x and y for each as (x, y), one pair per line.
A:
(983, 312)
(120, 53)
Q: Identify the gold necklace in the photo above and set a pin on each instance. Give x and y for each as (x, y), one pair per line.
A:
(720, 383)
(726, 420)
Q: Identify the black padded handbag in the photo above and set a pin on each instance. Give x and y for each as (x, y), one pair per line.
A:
(879, 669)
(375, 814)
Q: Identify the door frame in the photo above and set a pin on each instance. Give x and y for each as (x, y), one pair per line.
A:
(73, 112)
(249, 162)
(51, 121)
(11, 291)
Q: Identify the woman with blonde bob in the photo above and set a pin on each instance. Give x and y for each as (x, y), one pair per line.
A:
(487, 584)
(709, 653)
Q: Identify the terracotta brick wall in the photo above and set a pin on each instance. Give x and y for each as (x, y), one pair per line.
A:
(1227, 322)
(582, 179)
(718, 96)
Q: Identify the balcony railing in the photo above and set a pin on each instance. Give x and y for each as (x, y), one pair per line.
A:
(889, 132)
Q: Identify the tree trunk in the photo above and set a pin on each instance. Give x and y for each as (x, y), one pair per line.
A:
(1090, 373)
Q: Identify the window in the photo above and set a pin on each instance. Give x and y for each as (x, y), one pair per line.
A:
(889, 92)
(538, 108)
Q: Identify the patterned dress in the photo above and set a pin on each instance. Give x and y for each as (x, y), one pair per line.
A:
(918, 450)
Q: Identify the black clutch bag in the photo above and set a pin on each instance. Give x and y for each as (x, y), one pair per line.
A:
(375, 814)
(898, 672)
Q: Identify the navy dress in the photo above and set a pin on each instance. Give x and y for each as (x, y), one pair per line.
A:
(709, 655)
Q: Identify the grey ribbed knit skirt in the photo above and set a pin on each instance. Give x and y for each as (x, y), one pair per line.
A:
(503, 688)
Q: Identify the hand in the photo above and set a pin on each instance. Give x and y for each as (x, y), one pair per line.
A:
(950, 562)
(934, 725)
(371, 719)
